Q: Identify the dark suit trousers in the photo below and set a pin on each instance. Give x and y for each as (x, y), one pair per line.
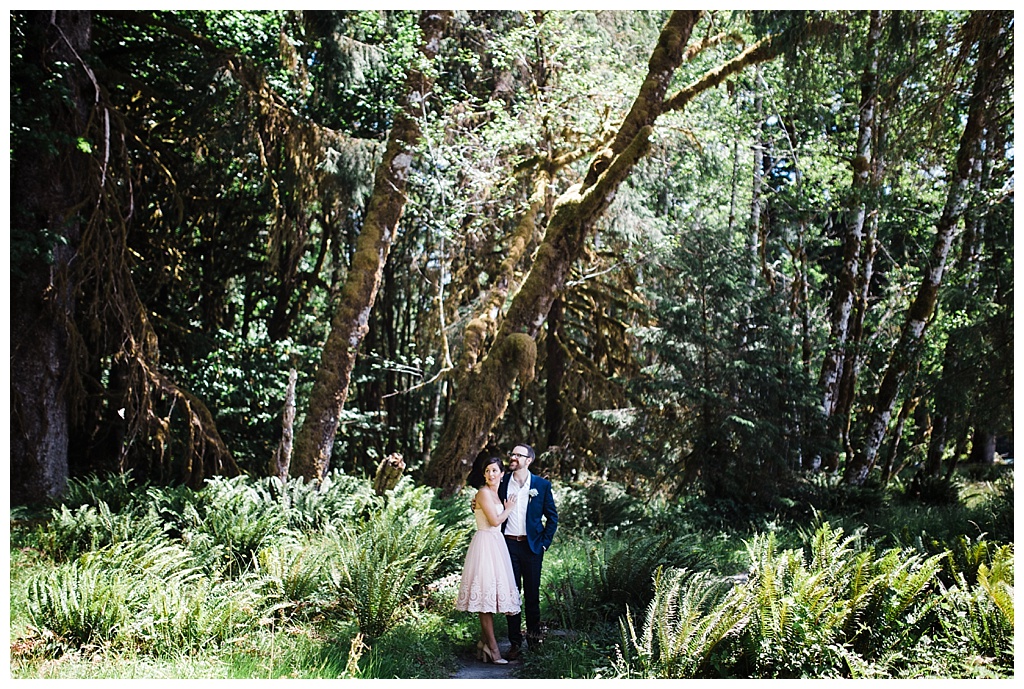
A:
(526, 567)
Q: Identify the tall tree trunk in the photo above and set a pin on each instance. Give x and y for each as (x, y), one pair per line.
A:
(852, 357)
(845, 296)
(483, 394)
(757, 182)
(554, 413)
(983, 446)
(282, 457)
(890, 468)
(990, 72)
(486, 323)
(735, 185)
(349, 325)
(46, 180)
(936, 445)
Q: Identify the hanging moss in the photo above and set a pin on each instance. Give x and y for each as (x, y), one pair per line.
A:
(520, 356)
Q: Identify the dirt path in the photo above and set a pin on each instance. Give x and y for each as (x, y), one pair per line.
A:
(475, 669)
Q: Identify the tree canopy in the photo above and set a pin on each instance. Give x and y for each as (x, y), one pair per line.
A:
(694, 251)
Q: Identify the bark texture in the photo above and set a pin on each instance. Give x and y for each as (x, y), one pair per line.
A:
(47, 183)
(989, 73)
(282, 459)
(350, 323)
(486, 323)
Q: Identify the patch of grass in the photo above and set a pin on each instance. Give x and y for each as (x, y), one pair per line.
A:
(576, 655)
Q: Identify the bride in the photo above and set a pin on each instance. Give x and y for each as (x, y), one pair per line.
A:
(488, 584)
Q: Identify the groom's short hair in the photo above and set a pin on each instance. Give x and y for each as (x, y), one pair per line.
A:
(529, 450)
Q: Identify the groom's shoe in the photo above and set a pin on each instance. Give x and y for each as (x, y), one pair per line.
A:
(513, 652)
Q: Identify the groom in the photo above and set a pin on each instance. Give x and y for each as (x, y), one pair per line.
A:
(527, 537)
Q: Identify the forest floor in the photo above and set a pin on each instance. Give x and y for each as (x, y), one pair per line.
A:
(477, 669)
(471, 668)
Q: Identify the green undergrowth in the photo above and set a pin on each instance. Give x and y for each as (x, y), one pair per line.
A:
(251, 578)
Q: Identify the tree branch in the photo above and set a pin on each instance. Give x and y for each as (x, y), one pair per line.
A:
(766, 49)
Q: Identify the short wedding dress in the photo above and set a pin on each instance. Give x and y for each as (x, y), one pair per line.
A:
(488, 583)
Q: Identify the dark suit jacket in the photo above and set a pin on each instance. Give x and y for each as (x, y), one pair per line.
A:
(539, 532)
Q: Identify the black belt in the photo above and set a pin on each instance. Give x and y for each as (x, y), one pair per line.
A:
(515, 538)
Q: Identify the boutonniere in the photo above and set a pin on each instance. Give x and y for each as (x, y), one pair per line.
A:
(533, 493)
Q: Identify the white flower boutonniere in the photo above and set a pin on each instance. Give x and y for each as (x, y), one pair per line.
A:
(533, 493)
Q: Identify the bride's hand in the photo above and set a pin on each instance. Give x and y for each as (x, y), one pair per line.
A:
(510, 500)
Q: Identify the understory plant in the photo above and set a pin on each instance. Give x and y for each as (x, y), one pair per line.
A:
(385, 561)
(179, 571)
(841, 610)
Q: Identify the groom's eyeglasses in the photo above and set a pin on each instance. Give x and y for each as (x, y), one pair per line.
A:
(517, 455)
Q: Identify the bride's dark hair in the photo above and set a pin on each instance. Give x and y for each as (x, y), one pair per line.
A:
(476, 476)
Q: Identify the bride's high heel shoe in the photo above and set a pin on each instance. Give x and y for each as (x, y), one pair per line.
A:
(479, 650)
(490, 657)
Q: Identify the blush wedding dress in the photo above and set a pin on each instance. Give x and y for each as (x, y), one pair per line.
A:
(488, 584)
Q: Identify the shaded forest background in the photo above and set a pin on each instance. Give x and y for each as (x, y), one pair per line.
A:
(689, 252)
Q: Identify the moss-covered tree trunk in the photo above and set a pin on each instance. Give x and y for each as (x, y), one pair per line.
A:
(481, 398)
(483, 393)
(991, 72)
(349, 325)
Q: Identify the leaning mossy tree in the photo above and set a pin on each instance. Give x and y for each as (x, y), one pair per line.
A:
(483, 390)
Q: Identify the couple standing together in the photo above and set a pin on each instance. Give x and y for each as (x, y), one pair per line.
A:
(515, 522)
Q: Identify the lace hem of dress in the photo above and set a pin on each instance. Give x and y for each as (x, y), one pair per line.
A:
(479, 600)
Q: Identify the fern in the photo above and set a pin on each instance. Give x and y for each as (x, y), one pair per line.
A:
(381, 564)
(115, 490)
(977, 621)
(234, 515)
(81, 604)
(179, 615)
(686, 622)
(69, 533)
(146, 595)
(296, 570)
(997, 581)
(316, 505)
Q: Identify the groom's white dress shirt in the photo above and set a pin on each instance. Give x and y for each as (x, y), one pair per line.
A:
(516, 524)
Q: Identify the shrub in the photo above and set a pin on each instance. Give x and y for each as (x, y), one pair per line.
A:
(688, 618)
(117, 491)
(592, 507)
(233, 513)
(841, 611)
(69, 534)
(796, 614)
(934, 490)
(618, 574)
(295, 570)
(80, 604)
(316, 505)
(379, 564)
(146, 595)
(977, 620)
(189, 615)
